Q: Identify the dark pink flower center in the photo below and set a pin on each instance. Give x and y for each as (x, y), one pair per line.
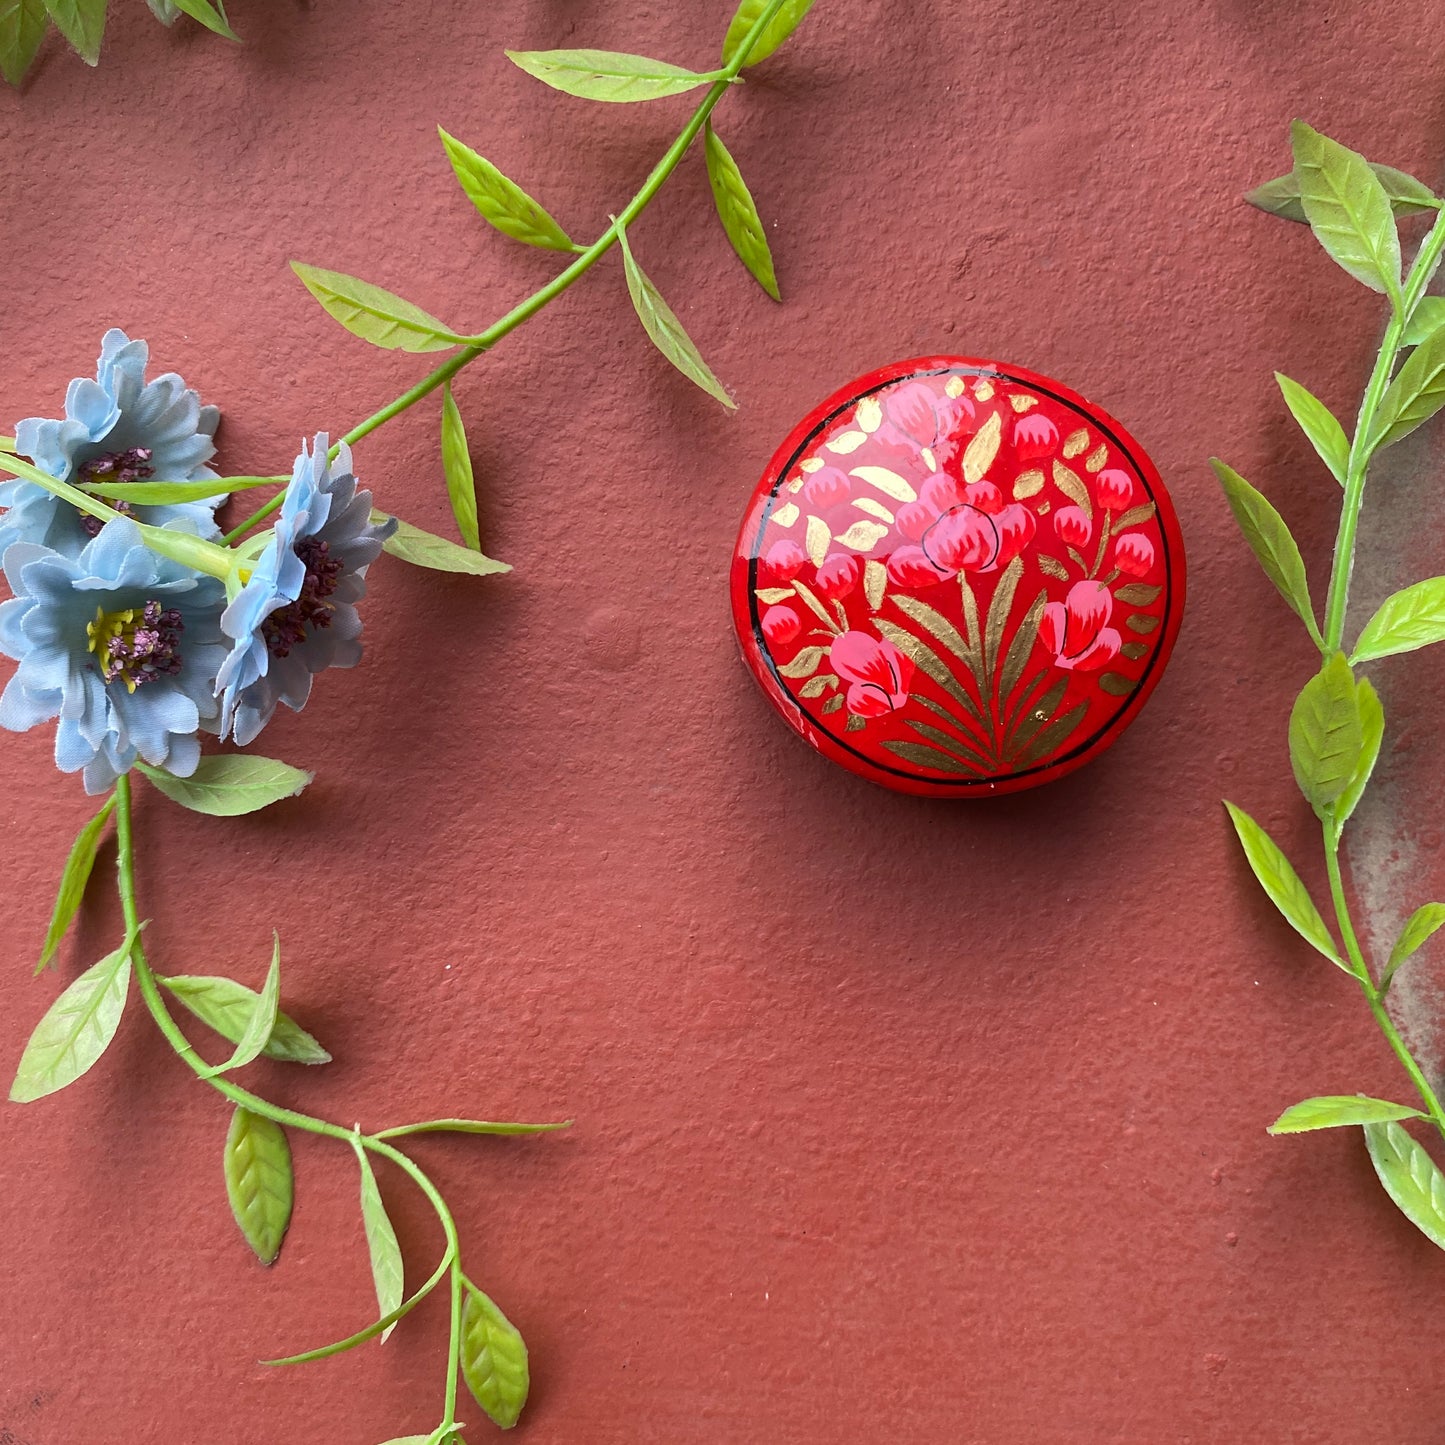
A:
(131, 465)
(286, 627)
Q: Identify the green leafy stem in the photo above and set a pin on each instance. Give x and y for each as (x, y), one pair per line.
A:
(1337, 724)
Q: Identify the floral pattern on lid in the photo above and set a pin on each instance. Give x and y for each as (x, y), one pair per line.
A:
(958, 578)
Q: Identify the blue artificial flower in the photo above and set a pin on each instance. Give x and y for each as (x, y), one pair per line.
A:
(116, 429)
(119, 643)
(296, 615)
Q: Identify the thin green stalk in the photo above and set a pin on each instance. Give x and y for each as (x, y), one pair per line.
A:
(588, 258)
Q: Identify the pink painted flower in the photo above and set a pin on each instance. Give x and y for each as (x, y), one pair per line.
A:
(957, 528)
(1034, 436)
(1074, 526)
(827, 487)
(781, 625)
(839, 575)
(1114, 489)
(1134, 554)
(878, 672)
(785, 560)
(916, 416)
(1074, 630)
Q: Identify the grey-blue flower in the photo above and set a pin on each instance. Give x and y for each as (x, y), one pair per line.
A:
(117, 428)
(120, 644)
(296, 615)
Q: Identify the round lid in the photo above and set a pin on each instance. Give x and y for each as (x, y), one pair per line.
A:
(958, 578)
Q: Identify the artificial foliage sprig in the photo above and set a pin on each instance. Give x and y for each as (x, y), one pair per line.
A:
(1337, 723)
(139, 627)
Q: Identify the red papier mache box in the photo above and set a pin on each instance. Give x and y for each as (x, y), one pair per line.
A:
(958, 578)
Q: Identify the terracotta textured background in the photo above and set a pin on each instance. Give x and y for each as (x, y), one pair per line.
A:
(896, 1120)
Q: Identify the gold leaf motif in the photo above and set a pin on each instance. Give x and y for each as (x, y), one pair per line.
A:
(771, 595)
(816, 540)
(1137, 594)
(817, 686)
(1096, 458)
(1116, 684)
(1076, 442)
(924, 658)
(817, 607)
(1052, 567)
(924, 755)
(889, 483)
(848, 441)
(927, 455)
(998, 612)
(811, 464)
(862, 536)
(805, 664)
(983, 390)
(833, 703)
(948, 743)
(1071, 485)
(953, 386)
(1053, 735)
(869, 415)
(854, 724)
(1134, 650)
(1021, 647)
(874, 509)
(1021, 401)
(1028, 484)
(875, 579)
(941, 628)
(1043, 508)
(1141, 623)
(796, 485)
(1134, 516)
(981, 451)
(786, 515)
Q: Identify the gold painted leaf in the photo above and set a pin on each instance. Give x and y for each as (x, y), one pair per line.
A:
(805, 664)
(1095, 460)
(811, 464)
(816, 607)
(1035, 716)
(1021, 647)
(1052, 567)
(1068, 482)
(998, 611)
(1076, 442)
(833, 703)
(869, 415)
(1117, 685)
(1134, 650)
(940, 627)
(817, 686)
(1078, 560)
(953, 387)
(855, 724)
(1141, 623)
(979, 455)
(925, 659)
(949, 744)
(889, 483)
(1137, 594)
(1134, 516)
(1028, 484)
(863, 535)
(1043, 508)
(1021, 401)
(1054, 735)
(875, 580)
(874, 509)
(816, 540)
(925, 756)
(983, 390)
(770, 595)
(846, 442)
(786, 515)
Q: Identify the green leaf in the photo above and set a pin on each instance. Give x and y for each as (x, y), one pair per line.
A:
(82, 23)
(262, 1022)
(386, 1262)
(1334, 1111)
(1408, 197)
(225, 786)
(422, 549)
(457, 465)
(1415, 395)
(259, 1182)
(77, 1028)
(1265, 531)
(1279, 880)
(227, 1006)
(208, 15)
(1413, 617)
(1348, 209)
(73, 879)
(1422, 924)
(22, 28)
(1410, 1177)
(1372, 734)
(1325, 734)
(375, 315)
(609, 74)
(1427, 317)
(664, 328)
(468, 1126)
(738, 213)
(778, 29)
(493, 1359)
(501, 202)
(1318, 423)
